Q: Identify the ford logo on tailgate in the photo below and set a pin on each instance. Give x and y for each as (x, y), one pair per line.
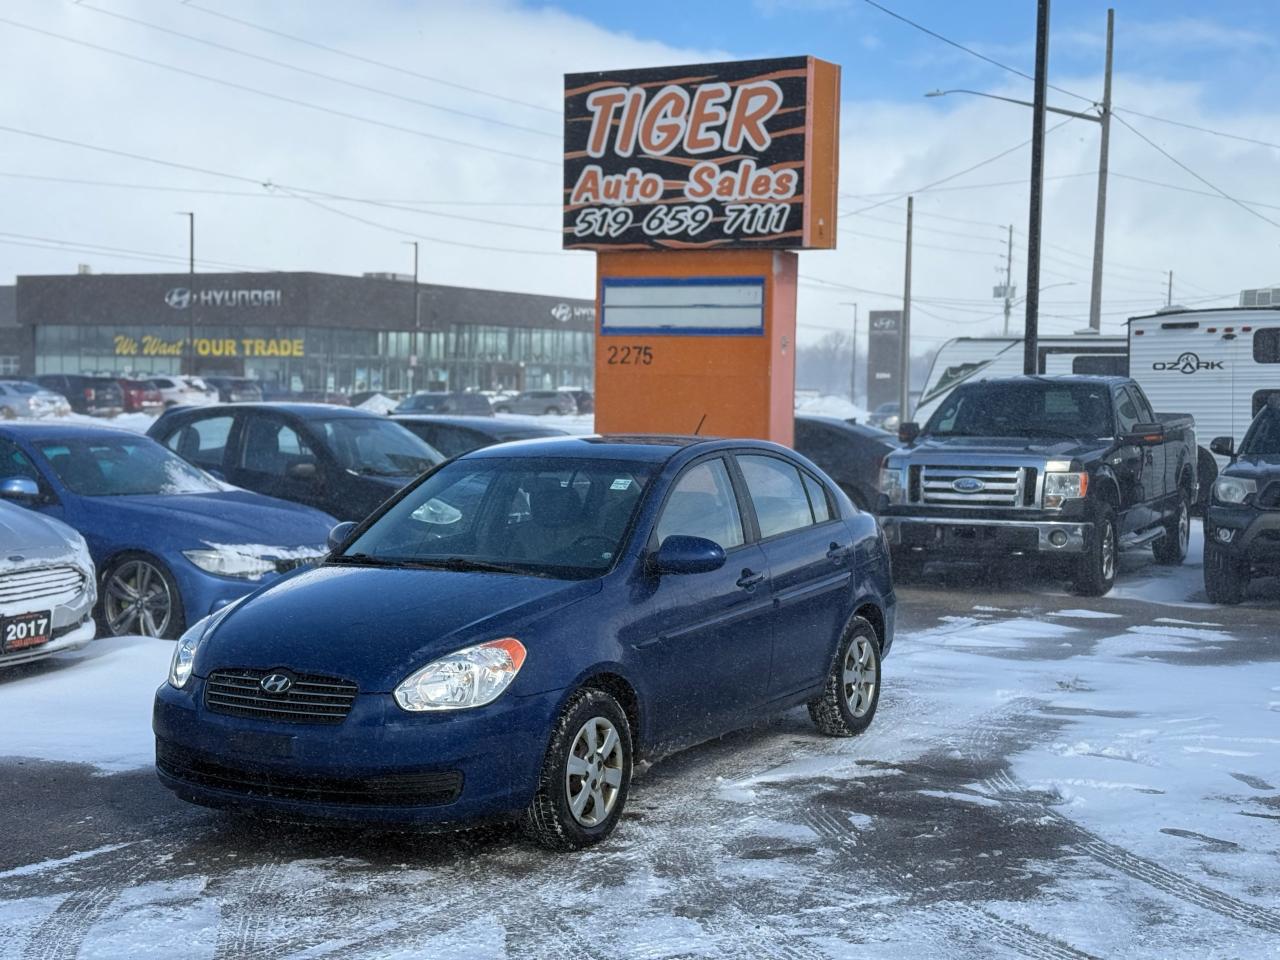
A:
(968, 485)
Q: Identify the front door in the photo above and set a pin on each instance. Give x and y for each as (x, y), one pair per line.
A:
(275, 459)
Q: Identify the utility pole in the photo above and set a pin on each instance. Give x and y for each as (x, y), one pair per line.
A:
(1030, 344)
(904, 359)
(1099, 222)
(1008, 280)
(191, 290)
(417, 312)
(1168, 300)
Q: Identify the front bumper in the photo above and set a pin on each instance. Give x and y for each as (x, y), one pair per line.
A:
(968, 537)
(1244, 532)
(466, 766)
(65, 638)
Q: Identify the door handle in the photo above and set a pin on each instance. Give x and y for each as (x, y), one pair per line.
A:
(836, 553)
(750, 580)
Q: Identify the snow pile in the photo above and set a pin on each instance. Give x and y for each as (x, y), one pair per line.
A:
(379, 403)
(828, 405)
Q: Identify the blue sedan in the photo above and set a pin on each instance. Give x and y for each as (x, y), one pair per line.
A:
(508, 635)
(171, 543)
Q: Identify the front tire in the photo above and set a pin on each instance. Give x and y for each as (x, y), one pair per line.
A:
(849, 700)
(140, 596)
(1096, 568)
(585, 776)
(1225, 577)
(1171, 549)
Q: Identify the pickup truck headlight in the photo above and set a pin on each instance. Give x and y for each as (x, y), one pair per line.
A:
(1060, 487)
(1233, 489)
(470, 677)
(892, 484)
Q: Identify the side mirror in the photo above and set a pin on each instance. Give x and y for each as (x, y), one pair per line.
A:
(302, 471)
(339, 534)
(908, 432)
(1223, 447)
(679, 554)
(1146, 435)
(19, 488)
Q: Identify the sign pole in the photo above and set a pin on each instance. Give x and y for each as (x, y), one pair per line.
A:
(904, 357)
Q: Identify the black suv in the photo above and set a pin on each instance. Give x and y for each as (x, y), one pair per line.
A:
(342, 461)
(95, 396)
(1242, 523)
(440, 401)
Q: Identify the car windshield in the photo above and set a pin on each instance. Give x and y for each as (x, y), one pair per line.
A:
(124, 466)
(1024, 409)
(378, 447)
(557, 517)
(1263, 438)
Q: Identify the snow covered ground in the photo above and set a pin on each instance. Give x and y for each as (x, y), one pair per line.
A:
(1047, 777)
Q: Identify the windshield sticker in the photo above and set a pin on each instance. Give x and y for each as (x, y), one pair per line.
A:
(622, 483)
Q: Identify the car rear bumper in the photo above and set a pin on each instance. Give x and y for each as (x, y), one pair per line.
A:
(1244, 532)
(381, 764)
(963, 538)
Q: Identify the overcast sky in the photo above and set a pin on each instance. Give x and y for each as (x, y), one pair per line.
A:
(320, 161)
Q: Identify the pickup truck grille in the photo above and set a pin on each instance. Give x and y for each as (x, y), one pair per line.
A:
(977, 486)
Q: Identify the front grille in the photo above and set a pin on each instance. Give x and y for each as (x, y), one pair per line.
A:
(41, 583)
(1269, 498)
(1012, 487)
(309, 699)
(401, 789)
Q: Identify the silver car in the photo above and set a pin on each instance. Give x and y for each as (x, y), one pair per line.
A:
(47, 584)
(19, 399)
(538, 402)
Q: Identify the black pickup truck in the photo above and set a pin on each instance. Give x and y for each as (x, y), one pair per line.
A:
(1072, 469)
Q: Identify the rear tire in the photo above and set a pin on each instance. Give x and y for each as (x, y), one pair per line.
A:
(585, 776)
(551, 412)
(1096, 568)
(1171, 549)
(1225, 577)
(849, 700)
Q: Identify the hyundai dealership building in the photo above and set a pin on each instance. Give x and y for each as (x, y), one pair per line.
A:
(298, 331)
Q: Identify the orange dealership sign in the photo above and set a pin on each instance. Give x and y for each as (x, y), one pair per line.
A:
(708, 156)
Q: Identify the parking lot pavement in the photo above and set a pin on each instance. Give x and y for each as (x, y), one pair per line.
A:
(1047, 777)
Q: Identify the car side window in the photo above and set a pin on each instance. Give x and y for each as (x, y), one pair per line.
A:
(777, 493)
(702, 504)
(1126, 411)
(15, 463)
(202, 442)
(272, 447)
(1145, 414)
(451, 441)
(818, 500)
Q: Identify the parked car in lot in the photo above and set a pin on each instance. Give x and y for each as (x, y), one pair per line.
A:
(171, 543)
(885, 416)
(236, 389)
(141, 396)
(1242, 522)
(47, 582)
(557, 402)
(1071, 469)
(440, 401)
(94, 396)
(179, 391)
(20, 400)
(585, 399)
(849, 452)
(509, 635)
(337, 459)
(454, 436)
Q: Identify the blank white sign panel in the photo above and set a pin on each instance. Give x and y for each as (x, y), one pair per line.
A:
(704, 306)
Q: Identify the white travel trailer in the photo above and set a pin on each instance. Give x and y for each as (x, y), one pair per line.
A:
(980, 358)
(1219, 365)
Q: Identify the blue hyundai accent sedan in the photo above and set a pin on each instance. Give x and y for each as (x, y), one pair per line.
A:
(507, 636)
(171, 543)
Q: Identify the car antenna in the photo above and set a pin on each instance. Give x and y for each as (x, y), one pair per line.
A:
(698, 429)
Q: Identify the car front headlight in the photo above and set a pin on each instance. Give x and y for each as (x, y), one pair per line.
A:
(891, 484)
(231, 563)
(1060, 487)
(1233, 489)
(470, 677)
(184, 651)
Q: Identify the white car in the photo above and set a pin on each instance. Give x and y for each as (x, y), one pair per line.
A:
(47, 583)
(21, 399)
(185, 391)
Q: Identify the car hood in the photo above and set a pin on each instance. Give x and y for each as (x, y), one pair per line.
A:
(1260, 468)
(190, 520)
(1055, 448)
(33, 539)
(376, 625)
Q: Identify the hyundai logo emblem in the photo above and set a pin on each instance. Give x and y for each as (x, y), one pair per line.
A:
(968, 485)
(276, 683)
(179, 298)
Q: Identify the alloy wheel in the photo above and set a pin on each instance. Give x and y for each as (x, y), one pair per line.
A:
(860, 676)
(593, 773)
(137, 600)
(1184, 525)
(1108, 552)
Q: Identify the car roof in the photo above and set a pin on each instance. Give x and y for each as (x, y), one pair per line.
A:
(45, 430)
(641, 448)
(489, 425)
(305, 411)
(854, 425)
(1113, 381)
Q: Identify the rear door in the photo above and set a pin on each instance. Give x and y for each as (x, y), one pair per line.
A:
(204, 441)
(1135, 469)
(810, 557)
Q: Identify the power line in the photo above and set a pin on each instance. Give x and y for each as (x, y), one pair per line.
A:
(279, 96)
(1199, 193)
(1192, 126)
(54, 243)
(80, 5)
(186, 4)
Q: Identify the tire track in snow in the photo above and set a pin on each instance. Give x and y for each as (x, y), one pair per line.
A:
(240, 934)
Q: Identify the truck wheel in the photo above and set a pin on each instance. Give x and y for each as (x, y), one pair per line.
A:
(1171, 549)
(1096, 568)
(1225, 577)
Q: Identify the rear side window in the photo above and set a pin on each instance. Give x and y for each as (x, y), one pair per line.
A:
(271, 447)
(202, 442)
(1266, 346)
(702, 504)
(778, 494)
(818, 501)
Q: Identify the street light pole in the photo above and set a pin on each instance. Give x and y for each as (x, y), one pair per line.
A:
(1030, 346)
(191, 289)
(1100, 218)
(904, 359)
(417, 310)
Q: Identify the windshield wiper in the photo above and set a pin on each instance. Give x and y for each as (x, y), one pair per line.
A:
(466, 564)
(366, 560)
